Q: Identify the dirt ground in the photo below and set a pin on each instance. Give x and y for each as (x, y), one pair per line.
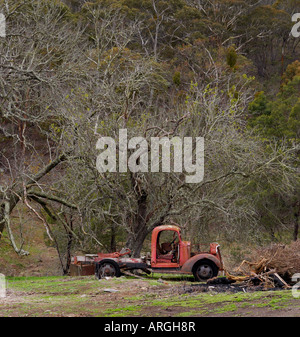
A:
(130, 297)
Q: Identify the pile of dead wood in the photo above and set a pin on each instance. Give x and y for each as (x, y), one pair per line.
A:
(270, 266)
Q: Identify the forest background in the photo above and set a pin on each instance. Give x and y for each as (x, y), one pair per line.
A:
(74, 70)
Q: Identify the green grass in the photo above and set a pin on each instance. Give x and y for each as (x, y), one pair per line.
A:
(54, 296)
(170, 277)
(55, 284)
(122, 311)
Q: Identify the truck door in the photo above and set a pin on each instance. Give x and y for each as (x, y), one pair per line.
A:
(167, 250)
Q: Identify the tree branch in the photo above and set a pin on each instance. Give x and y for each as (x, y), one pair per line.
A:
(53, 198)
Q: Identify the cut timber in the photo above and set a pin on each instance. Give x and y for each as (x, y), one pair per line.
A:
(236, 278)
(255, 267)
(280, 281)
(128, 273)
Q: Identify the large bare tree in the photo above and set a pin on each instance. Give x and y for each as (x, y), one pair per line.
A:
(67, 80)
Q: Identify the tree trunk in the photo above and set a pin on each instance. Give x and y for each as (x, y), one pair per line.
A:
(69, 246)
(113, 232)
(135, 242)
(136, 239)
(2, 221)
(139, 230)
(296, 224)
(141, 226)
(296, 230)
(19, 251)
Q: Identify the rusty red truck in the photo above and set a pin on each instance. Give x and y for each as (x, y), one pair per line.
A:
(169, 254)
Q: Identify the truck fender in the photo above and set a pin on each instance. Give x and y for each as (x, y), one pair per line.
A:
(107, 259)
(112, 261)
(189, 264)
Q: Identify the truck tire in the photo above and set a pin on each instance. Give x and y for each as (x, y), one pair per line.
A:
(204, 270)
(107, 268)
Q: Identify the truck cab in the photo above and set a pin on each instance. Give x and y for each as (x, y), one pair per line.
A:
(169, 253)
(167, 248)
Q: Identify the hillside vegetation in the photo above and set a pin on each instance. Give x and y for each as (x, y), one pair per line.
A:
(74, 71)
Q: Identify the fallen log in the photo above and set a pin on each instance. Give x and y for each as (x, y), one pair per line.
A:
(128, 273)
(280, 281)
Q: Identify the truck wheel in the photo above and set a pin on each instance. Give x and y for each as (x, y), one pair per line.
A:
(204, 270)
(107, 269)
